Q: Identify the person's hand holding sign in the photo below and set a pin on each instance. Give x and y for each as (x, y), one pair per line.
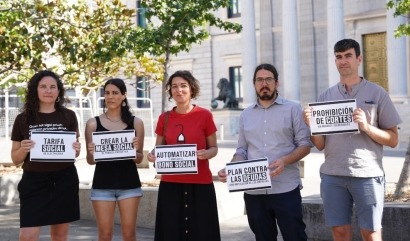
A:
(77, 148)
(151, 157)
(90, 148)
(90, 152)
(135, 142)
(359, 116)
(277, 166)
(206, 153)
(222, 175)
(307, 114)
(27, 145)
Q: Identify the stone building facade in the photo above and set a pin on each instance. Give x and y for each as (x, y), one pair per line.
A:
(298, 38)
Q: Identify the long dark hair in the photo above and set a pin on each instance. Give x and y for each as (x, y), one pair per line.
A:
(32, 104)
(126, 114)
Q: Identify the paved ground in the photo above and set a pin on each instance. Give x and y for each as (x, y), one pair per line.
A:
(234, 229)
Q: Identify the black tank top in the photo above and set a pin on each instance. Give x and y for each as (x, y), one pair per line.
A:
(122, 174)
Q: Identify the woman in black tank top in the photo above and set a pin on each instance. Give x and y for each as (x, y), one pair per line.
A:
(116, 178)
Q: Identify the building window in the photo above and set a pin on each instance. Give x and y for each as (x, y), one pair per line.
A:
(141, 21)
(234, 9)
(14, 102)
(235, 78)
(142, 92)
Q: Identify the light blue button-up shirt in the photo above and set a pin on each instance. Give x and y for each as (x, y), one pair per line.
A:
(273, 132)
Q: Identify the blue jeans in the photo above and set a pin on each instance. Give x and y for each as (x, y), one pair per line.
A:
(114, 194)
(283, 209)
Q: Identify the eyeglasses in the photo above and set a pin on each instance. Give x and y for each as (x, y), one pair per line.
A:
(268, 80)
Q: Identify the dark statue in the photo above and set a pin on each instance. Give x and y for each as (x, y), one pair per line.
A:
(226, 95)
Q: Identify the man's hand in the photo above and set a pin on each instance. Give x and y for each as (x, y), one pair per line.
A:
(359, 117)
(277, 167)
(222, 175)
(307, 114)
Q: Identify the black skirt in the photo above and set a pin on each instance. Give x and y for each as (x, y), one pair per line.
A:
(187, 212)
(48, 198)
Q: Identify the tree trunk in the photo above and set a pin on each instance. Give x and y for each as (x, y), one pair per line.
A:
(164, 95)
(164, 82)
(403, 186)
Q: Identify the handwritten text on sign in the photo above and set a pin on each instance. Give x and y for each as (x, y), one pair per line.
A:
(176, 159)
(333, 117)
(248, 175)
(53, 146)
(113, 145)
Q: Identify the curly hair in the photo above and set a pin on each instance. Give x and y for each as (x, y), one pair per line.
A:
(126, 114)
(32, 104)
(186, 75)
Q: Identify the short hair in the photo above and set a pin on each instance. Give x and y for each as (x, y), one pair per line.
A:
(267, 67)
(186, 75)
(346, 44)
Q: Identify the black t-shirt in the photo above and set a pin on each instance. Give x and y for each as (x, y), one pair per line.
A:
(121, 174)
(59, 120)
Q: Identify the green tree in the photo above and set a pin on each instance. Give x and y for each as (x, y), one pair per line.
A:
(402, 8)
(174, 26)
(83, 43)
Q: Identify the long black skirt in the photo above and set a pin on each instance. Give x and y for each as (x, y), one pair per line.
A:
(48, 198)
(187, 212)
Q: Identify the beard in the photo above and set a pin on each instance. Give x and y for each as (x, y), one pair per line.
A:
(267, 96)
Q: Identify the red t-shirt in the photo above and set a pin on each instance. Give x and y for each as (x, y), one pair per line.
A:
(193, 128)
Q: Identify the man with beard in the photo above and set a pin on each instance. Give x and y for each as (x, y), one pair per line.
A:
(273, 127)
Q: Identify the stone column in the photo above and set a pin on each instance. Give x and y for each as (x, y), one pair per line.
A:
(265, 32)
(291, 68)
(335, 32)
(396, 57)
(248, 51)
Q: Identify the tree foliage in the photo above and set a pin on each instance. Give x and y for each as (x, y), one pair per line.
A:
(174, 26)
(84, 43)
(401, 8)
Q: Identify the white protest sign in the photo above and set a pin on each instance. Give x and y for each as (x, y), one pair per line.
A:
(333, 117)
(113, 145)
(176, 159)
(248, 175)
(53, 146)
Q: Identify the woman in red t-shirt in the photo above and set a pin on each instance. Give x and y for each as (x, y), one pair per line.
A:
(187, 208)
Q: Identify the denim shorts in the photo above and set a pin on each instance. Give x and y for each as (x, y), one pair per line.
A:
(339, 194)
(114, 194)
